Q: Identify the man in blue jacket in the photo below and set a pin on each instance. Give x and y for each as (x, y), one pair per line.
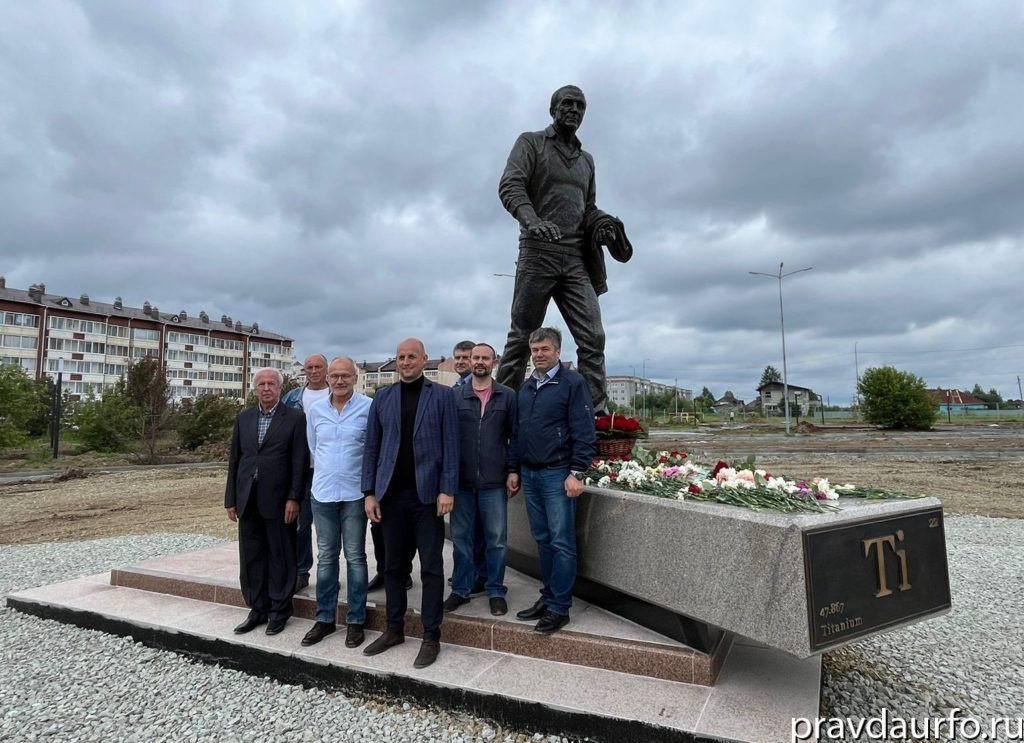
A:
(487, 477)
(555, 444)
(410, 473)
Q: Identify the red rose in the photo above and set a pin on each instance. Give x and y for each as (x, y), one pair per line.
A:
(613, 475)
(604, 423)
(719, 467)
(663, 459)
(694, 487)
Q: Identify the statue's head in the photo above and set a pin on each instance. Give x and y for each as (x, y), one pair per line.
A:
(568, 105)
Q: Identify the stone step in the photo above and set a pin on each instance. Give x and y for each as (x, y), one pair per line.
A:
(594, 637)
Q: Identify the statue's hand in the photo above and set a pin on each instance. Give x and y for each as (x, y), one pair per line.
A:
(607, 236)
(545, 230)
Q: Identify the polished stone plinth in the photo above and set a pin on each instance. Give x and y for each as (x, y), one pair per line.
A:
(602, 677)
(751, 572)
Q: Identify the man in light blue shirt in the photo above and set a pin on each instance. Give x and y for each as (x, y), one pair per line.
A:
(336, 431)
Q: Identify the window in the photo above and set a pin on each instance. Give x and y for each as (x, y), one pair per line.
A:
(117, 331)
(190, 339)
(138, 353)
(56, 322)
(145, 334)
(193, 356)
(19, 319)
(19, 341)
(227, 344)
(29, 365)
(258, 347)
(74, 346)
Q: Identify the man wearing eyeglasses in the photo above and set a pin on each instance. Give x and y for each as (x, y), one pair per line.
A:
(336, 431)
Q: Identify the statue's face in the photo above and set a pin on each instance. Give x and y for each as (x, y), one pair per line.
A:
(568, 113)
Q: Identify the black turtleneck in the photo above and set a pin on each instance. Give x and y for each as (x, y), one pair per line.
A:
(404, 477)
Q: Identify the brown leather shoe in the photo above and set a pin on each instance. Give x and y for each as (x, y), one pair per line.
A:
(354, 636)
(319, 631)
(427, 654)
(386, 641)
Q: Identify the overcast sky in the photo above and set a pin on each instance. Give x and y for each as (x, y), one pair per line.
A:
(330, 171)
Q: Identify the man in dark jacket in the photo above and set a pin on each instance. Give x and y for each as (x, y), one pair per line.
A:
(555, 444)
(487, 477)
(410, 475)
(266, 483)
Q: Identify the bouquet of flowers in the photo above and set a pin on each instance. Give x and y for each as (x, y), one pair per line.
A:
(616, 435)
(618, 427)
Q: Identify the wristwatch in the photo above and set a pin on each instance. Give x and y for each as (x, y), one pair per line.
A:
(577, 474)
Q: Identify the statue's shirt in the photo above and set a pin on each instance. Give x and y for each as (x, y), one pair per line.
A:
(556, 179)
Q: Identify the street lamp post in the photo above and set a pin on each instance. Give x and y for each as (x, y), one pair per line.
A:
(55, 409)
(643, 373)
(632, 398)
(782, 325)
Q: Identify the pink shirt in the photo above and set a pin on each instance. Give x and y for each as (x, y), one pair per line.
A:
(485, 397)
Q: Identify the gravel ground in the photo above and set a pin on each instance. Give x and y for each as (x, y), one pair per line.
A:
(970, 658)
(85, 685)
(62, 683)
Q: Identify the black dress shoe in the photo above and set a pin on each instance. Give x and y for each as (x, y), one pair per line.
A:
(319, 631)
(354, 636)
(427, 654)
(376, 583)
(499, 607)
(551, 622)
(251, 622)
(386, 641)
(301, 582)
(453, 602)
(274, 626)
(534, 612)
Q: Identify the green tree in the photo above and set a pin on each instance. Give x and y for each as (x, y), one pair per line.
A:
(107, 424)
(896, 399)
(209, 420)
(24, 405)
(992, 398)
(705, 400)
(147, 391)
(769, 375)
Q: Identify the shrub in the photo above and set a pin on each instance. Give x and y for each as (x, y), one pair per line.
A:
(896, 399)
(209, 421)
(108, 424)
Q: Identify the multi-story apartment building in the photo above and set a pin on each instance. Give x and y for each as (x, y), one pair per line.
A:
(93, 343)
(623, 390)
(375, 374)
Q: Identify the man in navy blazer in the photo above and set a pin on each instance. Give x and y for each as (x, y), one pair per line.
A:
(265, 487)
(410, 472)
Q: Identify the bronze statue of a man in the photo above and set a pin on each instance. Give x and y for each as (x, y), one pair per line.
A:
(548, 186)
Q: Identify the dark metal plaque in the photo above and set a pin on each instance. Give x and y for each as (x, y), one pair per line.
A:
(866, 576)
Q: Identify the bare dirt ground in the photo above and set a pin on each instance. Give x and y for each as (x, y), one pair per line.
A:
(972, 471)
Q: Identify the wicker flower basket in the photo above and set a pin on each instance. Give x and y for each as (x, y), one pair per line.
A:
(607, 448)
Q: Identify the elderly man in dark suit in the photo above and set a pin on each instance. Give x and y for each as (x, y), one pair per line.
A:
(410, 471)
(266, 476)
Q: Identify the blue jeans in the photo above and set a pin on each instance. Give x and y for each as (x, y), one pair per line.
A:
(552, 517)
(491, 508)
(304, 543)
(337, 524)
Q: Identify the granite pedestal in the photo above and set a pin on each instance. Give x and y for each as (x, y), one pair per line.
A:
(799, 583)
